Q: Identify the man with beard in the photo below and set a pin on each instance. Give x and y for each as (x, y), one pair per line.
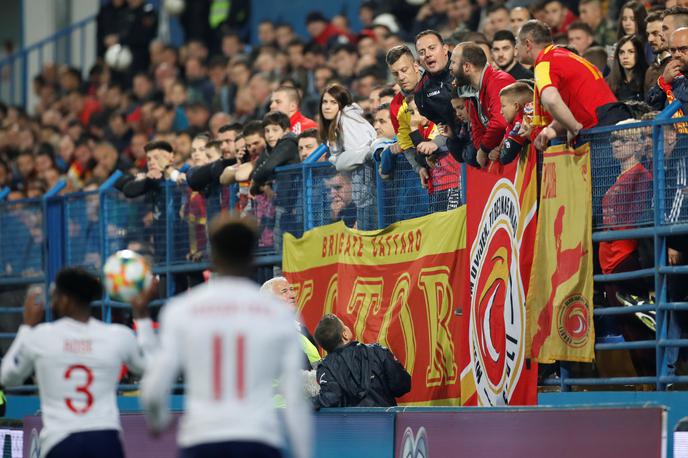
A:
(659, 46)
(570, 93)
(488, 126)
(504, 54)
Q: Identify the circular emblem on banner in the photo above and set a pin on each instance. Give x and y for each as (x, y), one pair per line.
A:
(573, 321)
(497, 319)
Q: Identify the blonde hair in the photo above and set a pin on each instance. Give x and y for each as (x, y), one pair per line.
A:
(519, 91)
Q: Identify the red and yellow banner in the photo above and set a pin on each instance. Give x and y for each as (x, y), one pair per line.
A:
(501, 217)
(398, 286)
(561, 289)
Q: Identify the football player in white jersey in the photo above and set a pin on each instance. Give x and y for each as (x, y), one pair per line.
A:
(231, 342)
(77, 360)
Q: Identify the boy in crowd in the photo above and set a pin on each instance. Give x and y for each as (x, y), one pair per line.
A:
(516, 100)
(282, 149)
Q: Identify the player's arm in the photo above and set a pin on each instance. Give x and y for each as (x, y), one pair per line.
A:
(17, 364)
(161, 374)
(298, 411)
(140, 351)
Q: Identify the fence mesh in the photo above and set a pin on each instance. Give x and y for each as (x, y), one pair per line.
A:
(675, 174)
(136, 223)
(21, 238)
(621, 161)
(83, 225)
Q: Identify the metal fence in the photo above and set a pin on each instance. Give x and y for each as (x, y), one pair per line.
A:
(640, 180)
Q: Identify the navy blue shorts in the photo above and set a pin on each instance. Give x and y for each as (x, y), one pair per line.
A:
(89, 444)
(232, 449)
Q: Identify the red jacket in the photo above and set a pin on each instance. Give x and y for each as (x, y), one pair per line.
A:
(300, 123)
(488, 126)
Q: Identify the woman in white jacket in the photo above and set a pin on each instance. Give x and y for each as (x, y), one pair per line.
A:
(349, 137)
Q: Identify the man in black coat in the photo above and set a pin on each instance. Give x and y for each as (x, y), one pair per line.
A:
(355, 374)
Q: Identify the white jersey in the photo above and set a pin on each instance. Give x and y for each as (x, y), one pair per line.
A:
(231, 342)
(77, 367)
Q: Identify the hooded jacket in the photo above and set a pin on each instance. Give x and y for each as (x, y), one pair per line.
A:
(286, 151)
(354, 147)
(488, 125)
(360, 375)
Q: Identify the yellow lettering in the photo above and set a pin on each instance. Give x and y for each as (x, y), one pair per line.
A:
(399, 304)
(366, 294)
(439, 302)
(304, 293)
(331, 295)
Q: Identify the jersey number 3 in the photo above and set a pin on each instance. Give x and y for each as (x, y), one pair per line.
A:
(83, 389)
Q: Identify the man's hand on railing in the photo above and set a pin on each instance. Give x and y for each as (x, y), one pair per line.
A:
(572, 134)
(481, 158)
(494, 155)
(427, 148)
(544, 137)
(424, 177)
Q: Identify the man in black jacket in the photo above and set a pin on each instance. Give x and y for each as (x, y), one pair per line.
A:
(355, 374)
(433, 93)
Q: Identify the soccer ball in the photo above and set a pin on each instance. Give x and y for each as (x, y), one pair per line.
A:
(127, 274)
(118, 57)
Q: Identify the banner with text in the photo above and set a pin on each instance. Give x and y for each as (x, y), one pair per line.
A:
(501, 216)
(560, 306)
(398, 286)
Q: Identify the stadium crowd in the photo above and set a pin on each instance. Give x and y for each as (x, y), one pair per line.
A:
(443, 82)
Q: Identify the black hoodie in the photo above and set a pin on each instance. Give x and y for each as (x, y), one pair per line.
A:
(360, 375)
(285, 151)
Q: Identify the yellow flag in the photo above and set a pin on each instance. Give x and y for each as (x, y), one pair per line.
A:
(559, 304)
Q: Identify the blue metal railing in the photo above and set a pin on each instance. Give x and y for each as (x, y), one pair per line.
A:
(17, 70)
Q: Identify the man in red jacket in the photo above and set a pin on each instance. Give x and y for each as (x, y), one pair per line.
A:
(488, 126)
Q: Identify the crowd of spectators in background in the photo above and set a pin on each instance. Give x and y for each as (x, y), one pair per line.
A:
(438, 83)
(89, 122)
(219, 111)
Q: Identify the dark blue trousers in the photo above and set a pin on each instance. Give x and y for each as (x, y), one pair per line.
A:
(233, 449)
(89, 444)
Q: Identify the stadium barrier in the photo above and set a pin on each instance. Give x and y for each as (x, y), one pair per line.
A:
(38, 236)
(411, 432)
